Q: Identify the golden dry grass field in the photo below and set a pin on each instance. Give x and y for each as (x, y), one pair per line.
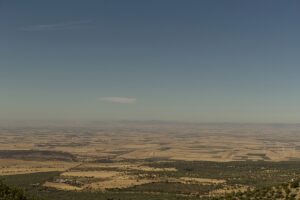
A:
(108, 156)
(204, 142)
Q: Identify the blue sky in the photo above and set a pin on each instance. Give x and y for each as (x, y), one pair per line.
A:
(203, 61)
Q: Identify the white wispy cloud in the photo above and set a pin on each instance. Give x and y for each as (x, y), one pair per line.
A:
(57, 26)
(122, 100)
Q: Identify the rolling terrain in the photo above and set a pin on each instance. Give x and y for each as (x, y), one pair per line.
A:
(152, 160)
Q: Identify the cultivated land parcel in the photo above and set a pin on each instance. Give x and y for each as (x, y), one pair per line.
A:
(151, 160)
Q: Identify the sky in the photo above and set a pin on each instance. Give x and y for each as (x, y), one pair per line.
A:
(194, 60)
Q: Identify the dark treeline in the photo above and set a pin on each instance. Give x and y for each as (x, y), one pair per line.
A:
(8, 193)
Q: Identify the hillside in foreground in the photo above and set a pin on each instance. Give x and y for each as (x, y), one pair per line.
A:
(151, 180)
(285, 191)
(10, 193)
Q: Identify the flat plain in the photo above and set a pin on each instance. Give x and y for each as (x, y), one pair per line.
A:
(150, 158)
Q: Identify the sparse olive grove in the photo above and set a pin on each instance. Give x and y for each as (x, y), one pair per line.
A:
(8, 193)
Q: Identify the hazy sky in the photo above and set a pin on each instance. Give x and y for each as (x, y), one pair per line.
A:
(191, 60)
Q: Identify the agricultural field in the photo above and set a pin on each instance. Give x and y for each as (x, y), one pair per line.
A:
(152, 161)
(153, 140)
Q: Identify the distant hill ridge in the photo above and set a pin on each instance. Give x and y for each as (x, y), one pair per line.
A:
(37, 154)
